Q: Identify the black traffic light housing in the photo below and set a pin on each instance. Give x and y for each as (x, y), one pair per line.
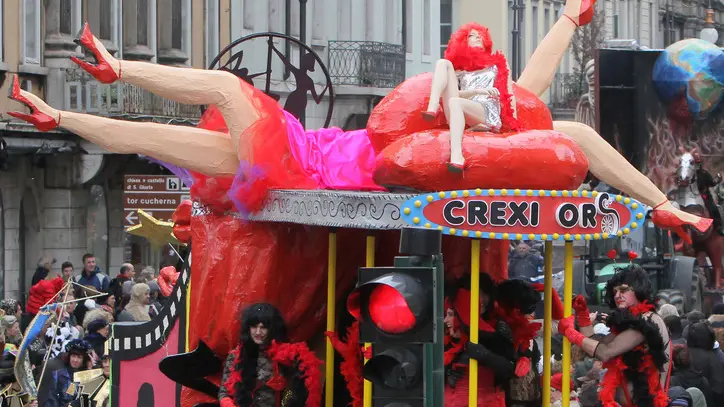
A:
(406, 367)
(415, 284)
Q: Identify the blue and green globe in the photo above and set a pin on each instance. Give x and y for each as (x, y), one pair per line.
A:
(689, 78)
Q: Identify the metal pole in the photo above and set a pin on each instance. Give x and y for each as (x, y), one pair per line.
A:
(474, 315)
(303, 39)
(331, 316)
(369, 262)
(547, 322)
(567, 310)
(287, 32)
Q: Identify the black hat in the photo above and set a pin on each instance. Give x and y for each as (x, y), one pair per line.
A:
(78, 346)
(97, 324)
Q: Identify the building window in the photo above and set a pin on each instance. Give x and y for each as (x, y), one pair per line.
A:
(534, 30)
(31, 31)
(174, 43)
(344, 18)
(546, 20)
(102, 17)
(66, 17)
(426, 32)
(212, 30)
(446, 24)
(408, 27)
(276, 15)
(139, 28)
(249, 14)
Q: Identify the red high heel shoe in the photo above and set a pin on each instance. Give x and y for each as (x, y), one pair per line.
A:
(40, 120)
(429, 115)
(585, 15)
(456, 168)
(668, 220)
(102, 70)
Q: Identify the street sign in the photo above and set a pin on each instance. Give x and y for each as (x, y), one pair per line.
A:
(157, 195)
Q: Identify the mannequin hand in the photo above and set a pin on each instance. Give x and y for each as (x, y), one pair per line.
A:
(580, 11)
(492, 92)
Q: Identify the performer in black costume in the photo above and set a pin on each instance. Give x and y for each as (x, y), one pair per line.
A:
(637, 352)
(265, 370)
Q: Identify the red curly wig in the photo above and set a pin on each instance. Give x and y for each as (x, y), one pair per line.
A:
(466, 58)
(458, 49)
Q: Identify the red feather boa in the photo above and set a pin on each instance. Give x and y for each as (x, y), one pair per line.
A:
(286, 354)
(351, 365)
(615, 378)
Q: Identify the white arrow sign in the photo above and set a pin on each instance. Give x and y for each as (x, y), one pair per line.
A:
(131, 217)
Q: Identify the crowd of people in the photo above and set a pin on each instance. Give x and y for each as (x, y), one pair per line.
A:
(77, 338)
(635, 355)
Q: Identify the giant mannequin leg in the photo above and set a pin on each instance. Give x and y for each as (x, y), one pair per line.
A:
(461, 109)
(608, 165)
(232, 96)
(543, 64)
(179, 145)
(444, 84)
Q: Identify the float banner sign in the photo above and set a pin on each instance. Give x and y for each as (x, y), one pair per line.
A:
(526, 214)
(157, 195)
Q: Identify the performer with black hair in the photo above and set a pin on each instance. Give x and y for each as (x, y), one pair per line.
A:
(637, 352)
(265, 369)
(494, 350)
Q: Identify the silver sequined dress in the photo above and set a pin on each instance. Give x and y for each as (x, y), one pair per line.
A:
(483, 79)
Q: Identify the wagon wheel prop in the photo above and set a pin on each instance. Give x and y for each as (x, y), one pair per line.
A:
(308, 62)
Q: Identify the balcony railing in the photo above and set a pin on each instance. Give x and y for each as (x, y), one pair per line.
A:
(566, 90)
(85, 94)
(366, 63)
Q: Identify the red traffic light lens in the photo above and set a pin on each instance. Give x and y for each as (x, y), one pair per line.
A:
(389, 310)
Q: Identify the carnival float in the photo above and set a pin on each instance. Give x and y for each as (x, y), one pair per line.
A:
(287, 215)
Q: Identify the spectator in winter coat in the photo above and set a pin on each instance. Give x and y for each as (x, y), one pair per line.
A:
(44, 266)
(524, 262)
(97, 326)
(127, 273)
(140, 301)
(704, 358)
(684, 376)
(42, 293)
(92, 274)
(673, 322)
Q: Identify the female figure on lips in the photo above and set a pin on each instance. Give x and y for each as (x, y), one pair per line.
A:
(494, 350)
(637, 352)
(265, 370)
(475, 88)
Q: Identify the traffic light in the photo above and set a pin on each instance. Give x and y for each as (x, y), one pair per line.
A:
(400, 313)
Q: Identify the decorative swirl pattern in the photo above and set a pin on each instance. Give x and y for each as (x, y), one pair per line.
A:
(365, 210)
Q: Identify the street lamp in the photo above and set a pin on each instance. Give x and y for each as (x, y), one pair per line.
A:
(709, 33)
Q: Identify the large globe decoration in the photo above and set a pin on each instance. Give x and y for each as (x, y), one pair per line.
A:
(689, 78)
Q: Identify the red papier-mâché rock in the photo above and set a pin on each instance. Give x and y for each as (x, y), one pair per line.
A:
(413, 153)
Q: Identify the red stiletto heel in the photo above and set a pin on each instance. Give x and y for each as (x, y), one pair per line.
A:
(40, 120)
(456, 168)
(585, 14)
(102, 70)
(429, 115)
(666, 219)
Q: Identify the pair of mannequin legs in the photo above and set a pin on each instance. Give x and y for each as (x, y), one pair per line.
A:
(214, 153)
